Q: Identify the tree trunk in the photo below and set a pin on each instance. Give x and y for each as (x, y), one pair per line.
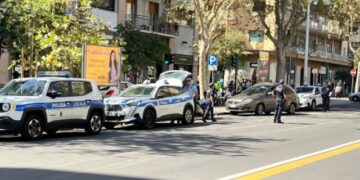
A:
(202, 66)
(357, 84)
(281, 64)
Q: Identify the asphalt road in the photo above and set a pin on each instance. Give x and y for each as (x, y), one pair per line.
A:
(233, 145)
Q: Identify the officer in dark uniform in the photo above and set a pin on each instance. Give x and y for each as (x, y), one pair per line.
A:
(325, 95)
(280, 94)
(210, 95)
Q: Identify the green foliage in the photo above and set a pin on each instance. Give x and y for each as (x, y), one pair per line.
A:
(228, 44)
(42, 26)
(141, 50)
(343, 75)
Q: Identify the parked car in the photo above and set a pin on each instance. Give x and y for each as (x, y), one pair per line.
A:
(309, 96)
(113, 90)
(31, 106)
(259, 99)
(147, 104)
(355, 97)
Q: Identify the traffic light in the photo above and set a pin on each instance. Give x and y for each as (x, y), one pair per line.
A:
(169, 59)
(233, 61)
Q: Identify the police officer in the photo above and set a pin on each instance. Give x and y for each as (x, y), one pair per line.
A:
(325, 95)
(280, 94)
(210, 95)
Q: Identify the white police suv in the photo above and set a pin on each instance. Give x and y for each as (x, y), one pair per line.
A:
(31, 106)
(146, 104)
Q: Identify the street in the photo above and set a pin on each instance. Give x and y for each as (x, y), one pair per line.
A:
(220, 150)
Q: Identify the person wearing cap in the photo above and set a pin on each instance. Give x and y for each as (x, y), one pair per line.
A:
(210, 94)
(280, 94)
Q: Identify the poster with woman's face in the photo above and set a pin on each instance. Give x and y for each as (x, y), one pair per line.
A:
(102, 64)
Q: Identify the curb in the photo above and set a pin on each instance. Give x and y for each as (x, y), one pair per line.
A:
(222, 113)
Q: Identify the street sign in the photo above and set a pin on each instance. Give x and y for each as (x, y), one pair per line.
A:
(213, 63)
(254, 65)
(353, 72)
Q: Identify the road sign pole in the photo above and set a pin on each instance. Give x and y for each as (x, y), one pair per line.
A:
(352, 84)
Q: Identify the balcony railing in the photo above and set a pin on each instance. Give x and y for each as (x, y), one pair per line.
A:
(325, 27)
(150, 24)
(322, 54)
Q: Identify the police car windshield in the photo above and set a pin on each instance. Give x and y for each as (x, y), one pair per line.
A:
(174, 75)
(255, 90)
(23, 88)
(137, 91)
(304, 89)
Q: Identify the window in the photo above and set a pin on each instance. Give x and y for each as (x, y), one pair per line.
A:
(168, 92)
(80, 88)
(60, 86)
(256, 36)
(23, 88)
(317, 91)
(104, 4)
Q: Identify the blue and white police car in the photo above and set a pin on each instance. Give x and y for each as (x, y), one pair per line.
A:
(31, 106)
(147, 104)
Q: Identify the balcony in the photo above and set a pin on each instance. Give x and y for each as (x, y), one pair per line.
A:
(321, 53)
(323, 27)
(148, 24)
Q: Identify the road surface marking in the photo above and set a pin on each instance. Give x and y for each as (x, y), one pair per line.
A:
(273, 169)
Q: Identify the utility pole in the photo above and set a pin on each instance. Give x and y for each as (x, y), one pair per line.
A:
(306, 58)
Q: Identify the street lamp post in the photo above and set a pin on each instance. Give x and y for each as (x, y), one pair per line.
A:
(306, 58)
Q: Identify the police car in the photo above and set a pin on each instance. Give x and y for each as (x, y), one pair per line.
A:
(309, 96)
(31, 106)
(147, 104)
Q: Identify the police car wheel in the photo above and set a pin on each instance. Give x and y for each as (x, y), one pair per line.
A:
(109, 125)
(259, 110)
(32, 128)
(188, 116)
(94, 124)
(149, 119)
(292, 109)
(313, 105)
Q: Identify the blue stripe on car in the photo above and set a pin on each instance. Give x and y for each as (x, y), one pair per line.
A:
(58, 105)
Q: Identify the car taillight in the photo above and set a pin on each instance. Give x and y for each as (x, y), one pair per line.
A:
(110, 93)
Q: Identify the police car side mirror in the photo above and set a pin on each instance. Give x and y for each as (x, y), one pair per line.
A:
(160, 96)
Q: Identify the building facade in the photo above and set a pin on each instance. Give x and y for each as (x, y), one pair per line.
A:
(328, 53)
(150, 16)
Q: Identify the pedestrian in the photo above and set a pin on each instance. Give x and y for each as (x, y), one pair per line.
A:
(338, 90)
(325, 95)
(231, 86)
(210, 96)
(280, 94)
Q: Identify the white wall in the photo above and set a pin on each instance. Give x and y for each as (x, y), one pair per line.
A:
(110, 17)
(272, 73)
(184, 42)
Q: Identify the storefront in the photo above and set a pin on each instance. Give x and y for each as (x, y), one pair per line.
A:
(183, 62)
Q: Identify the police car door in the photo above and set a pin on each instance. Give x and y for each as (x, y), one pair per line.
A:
(167, 105)
(81, 93)
(318, 95)
(58, 107)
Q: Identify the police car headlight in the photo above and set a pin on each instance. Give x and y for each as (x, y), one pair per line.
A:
(6, 107)
(134, 103)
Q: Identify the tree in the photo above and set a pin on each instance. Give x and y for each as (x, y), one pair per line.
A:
(209, 18)
(141, 50)
(287, 16)
(46, 37)
(346, 12)
(230, 43)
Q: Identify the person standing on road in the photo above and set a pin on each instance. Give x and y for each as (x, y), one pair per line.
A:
(210, 95)
(325, 95)
(280, 94)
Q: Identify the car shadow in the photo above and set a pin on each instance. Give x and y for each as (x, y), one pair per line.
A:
(44, 174)
(162, 141)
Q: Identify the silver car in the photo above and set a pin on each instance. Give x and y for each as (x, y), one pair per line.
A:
(259, 99)
(355, 97)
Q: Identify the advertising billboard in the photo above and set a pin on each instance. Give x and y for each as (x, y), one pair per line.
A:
(102, 64)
